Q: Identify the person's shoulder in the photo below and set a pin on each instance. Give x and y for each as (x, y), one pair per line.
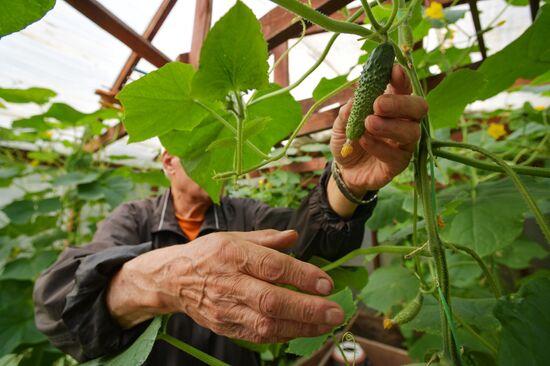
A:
(144, 206)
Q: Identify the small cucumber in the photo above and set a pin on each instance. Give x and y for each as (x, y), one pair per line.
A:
(408, 313)
(373, 81)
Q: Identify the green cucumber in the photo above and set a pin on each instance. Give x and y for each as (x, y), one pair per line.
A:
(408, 313)
(373, 81)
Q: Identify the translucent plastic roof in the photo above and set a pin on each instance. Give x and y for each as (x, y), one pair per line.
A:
(68, 53)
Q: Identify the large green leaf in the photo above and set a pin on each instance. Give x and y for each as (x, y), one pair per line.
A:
(389, 286)
(64, 113)
(476, 312)
(463, 270)
(19, 212)
(199, 163)
(526, 57)
(31, 95)
(160, 102)
(137, 353)
(491, 219)
(16, 15)
(525, 323)
(202, 156)
(389, 209)
(37, 123)
(233, 57)
(306, 346)
(520, 253)
(326, 86)
(75, 178)
(29, 268)
(111, 188)
(448, 100)
(17, 316)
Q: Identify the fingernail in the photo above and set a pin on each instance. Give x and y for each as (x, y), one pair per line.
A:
(323, 286)
(333, 316)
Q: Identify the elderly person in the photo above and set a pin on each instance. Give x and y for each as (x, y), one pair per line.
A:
(217, 267)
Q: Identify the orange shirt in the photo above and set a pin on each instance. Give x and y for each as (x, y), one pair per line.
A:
(190, 227)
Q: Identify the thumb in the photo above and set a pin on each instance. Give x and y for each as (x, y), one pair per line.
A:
(270, 238)
(343, 115)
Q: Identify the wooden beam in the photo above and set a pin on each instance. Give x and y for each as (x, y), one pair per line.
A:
(203, 21)
(319, 121)
(281, 73)
(154, 25)
(112, 24)
(114, 133)
(278, 25)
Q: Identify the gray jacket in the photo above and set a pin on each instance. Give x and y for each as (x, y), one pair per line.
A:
(69, 297)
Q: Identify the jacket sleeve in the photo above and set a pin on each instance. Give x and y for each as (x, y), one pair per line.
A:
(321, 231)
(69, 297)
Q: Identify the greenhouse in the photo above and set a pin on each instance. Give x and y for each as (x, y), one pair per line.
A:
(274, 182)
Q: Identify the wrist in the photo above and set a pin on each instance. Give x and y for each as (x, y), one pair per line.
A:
(129, 299)
(359, 195)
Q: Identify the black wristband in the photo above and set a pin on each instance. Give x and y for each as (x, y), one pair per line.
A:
(337, 175)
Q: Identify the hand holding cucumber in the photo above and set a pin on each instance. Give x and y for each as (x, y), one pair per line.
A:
(384, 148)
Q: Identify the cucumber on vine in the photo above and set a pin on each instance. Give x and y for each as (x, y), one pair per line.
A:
(408, 313)
(374, 78)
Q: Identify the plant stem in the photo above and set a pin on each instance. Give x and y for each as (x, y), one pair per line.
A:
(390, 20)
(389, 249)
(477, 258)
(321, 20)
(372, 18)
(197, 353)
(230, 127)
(427, 195)
(312, 109)
(449, 316)
(287, 51)
(476, 335)
(523, 170)
(539, 217)
(314, 67)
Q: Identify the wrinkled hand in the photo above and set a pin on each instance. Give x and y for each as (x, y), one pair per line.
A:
(226, 282)
(386, 147)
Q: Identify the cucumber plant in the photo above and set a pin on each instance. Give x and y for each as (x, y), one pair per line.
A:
(224, 119)
(234, 113)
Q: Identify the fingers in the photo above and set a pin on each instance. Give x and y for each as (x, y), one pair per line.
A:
(281, 303)
(400, 82)
(269, 328)
(271, 266)
(401, 106)
(392, 156)
(403, 131)
(270, 238)
(261, 329)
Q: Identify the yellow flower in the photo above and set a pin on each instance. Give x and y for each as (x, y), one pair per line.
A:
(35, 162)
(435, 10)
(540, 108)
(388, 323)
(496, 130)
